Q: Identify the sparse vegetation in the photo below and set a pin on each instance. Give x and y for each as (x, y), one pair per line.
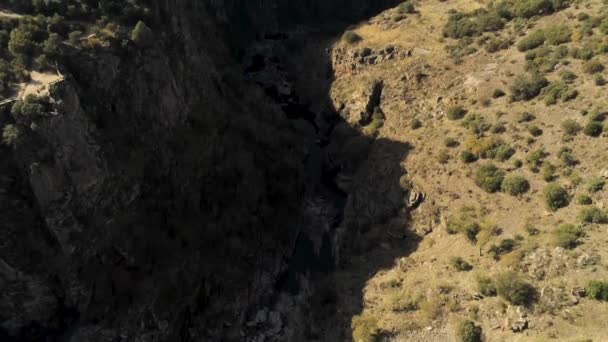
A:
(365, 328)
(592, 215)
(593, 67)
(596, 184)
(568, 235)
(584, 200)
(486, 286)
(459, 264)
(571, 127)
(513, 289)
(456, 113)
(351, 37)
(464, 222)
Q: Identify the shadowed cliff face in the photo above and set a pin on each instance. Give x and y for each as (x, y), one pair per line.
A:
(175, 196)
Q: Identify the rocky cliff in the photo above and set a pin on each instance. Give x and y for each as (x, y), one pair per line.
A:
(168, 196)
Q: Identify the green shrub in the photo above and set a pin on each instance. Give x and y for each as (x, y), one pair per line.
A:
(415, 123)
(566, 157)
(599, 80)
(531, 41)
(557, 35)
(535, 159)
(597, 290)
(10, 134)
(527, 88)
(571, 127)
(142, 35)
(486, 286)
(593, 129)
(494, 45)
(451, 142)
(568, 235)
(558, 91)
(532, 230)
(567, 76)
(526, 117)
(456, 113)
(592, 215)
(489, 177)
(582, 16)
(468, 332)
(555, 197)
(74, 37)
(31, 106)
(476, 123)
(514, 290)
(548, 172)
(468, 157)
(535, 131)
(498, 93)
(595, 184)
(407, 7)
(515, 185)
(351, 37)
(531, 8)
(498, 128)
(459, 26)
(593, 67)
(465, 222)
(584, 200)
(518, 163)
(586, 52)
(459, 264)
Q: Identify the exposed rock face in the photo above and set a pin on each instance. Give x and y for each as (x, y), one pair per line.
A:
(165, 198)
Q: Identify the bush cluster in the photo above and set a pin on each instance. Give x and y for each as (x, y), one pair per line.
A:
(464, 222)
(526, 88)
(593, 215)
(488, 148)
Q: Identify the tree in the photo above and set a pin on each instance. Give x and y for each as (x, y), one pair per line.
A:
(51, 46)
(10, 134)
(142, 35)
(21, 43)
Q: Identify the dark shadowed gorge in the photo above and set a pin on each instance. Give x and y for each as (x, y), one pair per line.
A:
(187, 190)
